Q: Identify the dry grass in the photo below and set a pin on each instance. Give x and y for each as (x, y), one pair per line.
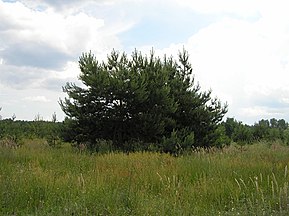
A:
(38, 180)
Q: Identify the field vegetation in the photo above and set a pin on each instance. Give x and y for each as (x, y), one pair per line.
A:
(140, 137)
(37, 179)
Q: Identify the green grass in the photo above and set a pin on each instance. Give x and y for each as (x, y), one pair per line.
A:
(38, 180)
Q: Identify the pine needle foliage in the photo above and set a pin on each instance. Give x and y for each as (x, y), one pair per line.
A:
(141, 99)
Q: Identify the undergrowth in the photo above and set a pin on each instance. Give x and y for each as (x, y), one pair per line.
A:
(37, 179)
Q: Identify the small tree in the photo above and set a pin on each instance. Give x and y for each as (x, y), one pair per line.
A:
(54, 118)
(141, 98)
(54, 133)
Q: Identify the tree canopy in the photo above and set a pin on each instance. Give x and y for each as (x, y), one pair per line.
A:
(263, 130)
(141, 99)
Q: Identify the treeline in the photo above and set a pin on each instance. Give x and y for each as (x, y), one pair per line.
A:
(264, 130)
(229, 131)
(14, 131)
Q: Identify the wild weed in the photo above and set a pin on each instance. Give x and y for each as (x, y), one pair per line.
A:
(39, 180)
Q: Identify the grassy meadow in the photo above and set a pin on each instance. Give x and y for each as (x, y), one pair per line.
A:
(38, 180)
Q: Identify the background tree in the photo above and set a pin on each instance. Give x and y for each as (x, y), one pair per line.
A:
(263, 130)
(238, 132)
(141, 99)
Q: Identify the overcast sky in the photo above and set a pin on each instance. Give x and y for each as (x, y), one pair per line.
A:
(238, 48)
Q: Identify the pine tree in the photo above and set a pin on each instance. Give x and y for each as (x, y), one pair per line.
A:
(142, 99)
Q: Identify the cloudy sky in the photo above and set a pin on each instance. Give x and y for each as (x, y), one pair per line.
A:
(238, 48)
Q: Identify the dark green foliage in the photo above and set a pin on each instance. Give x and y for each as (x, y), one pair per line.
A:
(243, 134)
(141, 99)
(222, 139)
(271, 130)
(262, 129)
(266, 130)
(55, 133)
(178, 142)
(18, 130)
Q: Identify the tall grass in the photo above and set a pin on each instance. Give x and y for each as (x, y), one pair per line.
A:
(38, 180)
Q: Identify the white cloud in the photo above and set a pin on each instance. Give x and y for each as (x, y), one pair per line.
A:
(41, 99)
(244, 8)
(39, 47)
(241, 51)
(21, 77)
(253, 114)
(65, 34)
(26, 103)
(70, 70)
(48, 27)
(255, 111)
(242, 59)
